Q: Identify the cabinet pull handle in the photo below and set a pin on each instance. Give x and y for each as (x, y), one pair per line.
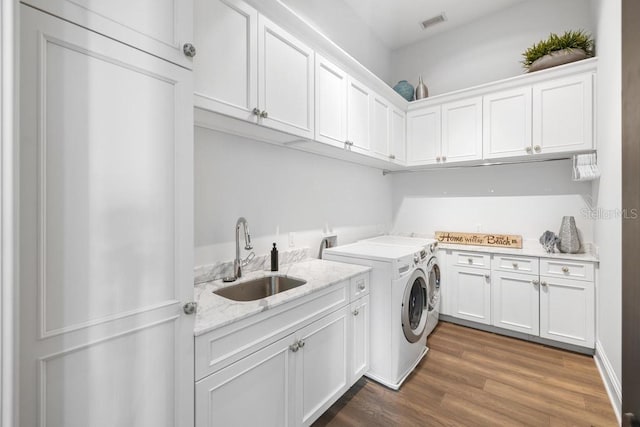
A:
(356, 312)
(295, 346)
(537, 148)
(189, 50)
(528, 150)
(301, 343)
(565, 269)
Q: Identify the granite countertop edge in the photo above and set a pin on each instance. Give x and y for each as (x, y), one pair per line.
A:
(215, 312)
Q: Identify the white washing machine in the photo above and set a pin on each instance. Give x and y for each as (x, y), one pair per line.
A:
(432, 270)
(398, 296)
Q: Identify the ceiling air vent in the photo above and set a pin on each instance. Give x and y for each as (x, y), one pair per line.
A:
(433, 21)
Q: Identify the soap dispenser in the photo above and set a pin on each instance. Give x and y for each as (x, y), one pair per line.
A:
(274, 258)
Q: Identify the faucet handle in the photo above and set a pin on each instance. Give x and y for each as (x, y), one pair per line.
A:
(248, 259)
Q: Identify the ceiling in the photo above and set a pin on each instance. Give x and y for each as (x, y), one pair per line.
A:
(397, 22)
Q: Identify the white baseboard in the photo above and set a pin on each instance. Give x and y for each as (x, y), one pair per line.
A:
(611, 381)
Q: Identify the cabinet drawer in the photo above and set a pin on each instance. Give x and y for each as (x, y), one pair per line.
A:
(517, 264)
(359, 286)
(568, 269)
(471, 259)
(221, 347)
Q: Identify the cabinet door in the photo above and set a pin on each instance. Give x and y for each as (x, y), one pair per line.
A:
(398, 138)
(380, 127)
(359, 102)
(322, 365)
(225, 69)
(563, 114)
(265, 380)
(423, 136)
(507, 124)
(331, 103)
(359, 338)
(159, 27)
(286, 80)
(515, 302)
(567, 310)
(106, 239)
(462, 130)
(470, 294)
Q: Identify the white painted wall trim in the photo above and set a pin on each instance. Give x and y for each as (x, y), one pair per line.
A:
(8, 139)
(611, 381)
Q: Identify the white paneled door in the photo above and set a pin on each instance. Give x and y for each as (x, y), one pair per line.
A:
(106, 231)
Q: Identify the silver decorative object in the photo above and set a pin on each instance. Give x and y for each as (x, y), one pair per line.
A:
(549, 240)
(421, 89)
(568, 234)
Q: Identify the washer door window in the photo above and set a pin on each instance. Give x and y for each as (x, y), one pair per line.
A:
(433, 284)
(414, 307)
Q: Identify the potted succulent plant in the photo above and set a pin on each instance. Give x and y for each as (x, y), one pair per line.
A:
(556, 50)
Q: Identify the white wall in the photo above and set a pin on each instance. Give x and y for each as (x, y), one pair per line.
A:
(608, 192)
(336, 20)
(525, 199)
(489, 49)
(280, 190)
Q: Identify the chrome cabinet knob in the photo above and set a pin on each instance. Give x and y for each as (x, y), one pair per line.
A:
(256, 111)
(470, 260)
(535, 282)
(537, 148)
(361, 286)
(487, 276)
(543, 283)
(528, 150)
(189, 50)
(444, 158)
(565, 269)
(356, 312)
(295, 346)
(515, 265)
(438, 159)
(190, 307)
(264, 114)
(301, 343)
(392, 157)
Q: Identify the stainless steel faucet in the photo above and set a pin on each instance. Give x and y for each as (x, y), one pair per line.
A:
(238, 263)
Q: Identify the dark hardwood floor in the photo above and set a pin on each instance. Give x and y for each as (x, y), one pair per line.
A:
(476, 378)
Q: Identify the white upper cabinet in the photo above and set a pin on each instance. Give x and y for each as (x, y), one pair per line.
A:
(563, 114)
(398, 136)
(285, 80)
(359, 102)
(226, 33)
(159, 27)
(380, 127)
(507, 123)
(331, 103)
(423, 136)
(462, 130)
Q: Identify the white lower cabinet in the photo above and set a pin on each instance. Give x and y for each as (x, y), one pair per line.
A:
(515, 302)
(471, 293)
(567, 309)
(360, 337)
(292, 381)
(265, 380)
(552, 299)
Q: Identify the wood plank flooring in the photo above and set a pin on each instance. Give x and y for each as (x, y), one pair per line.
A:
(476, 378)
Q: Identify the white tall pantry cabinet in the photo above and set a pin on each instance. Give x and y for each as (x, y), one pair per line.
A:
(106, 202)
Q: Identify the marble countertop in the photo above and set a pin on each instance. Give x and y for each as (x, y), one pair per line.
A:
(215, 311)
(529, 248)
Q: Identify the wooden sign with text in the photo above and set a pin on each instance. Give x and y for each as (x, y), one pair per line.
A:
(478, 239)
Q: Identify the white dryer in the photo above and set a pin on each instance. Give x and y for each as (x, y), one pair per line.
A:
(431, 267)
(398, 295)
